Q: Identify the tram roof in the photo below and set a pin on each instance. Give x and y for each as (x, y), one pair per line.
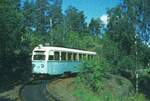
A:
(44, 48)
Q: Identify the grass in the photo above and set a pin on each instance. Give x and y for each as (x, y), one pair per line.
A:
(84, 94)
(117, 91)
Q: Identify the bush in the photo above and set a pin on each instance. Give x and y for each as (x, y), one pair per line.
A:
(136, 97)
(93, 71)
(115, 88)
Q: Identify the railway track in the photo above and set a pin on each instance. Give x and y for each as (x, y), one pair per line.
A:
(37, 90)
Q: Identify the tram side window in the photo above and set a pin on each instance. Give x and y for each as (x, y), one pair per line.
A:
(74, 56)
(50, 57)
(84, 56)
(89, 56)
(56, 55)
(92, 56)
(80, 56)
(69, 56)
(63, 55)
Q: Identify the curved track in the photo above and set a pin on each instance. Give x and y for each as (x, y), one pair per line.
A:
(37, 91)
(34, 91)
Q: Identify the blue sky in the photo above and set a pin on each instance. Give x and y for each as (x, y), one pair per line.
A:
(91, 8)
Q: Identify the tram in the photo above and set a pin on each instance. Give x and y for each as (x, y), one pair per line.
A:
(51, 60)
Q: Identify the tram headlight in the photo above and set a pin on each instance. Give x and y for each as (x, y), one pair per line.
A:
(42, 65)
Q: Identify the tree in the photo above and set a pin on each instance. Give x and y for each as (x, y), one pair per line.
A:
(121, 31)
(29, 15)
(75, 20)
(141, 17)
(55, 14)
(41, 16)
(95, 26)
(11, 30)
(57, 34)
(125, 31)
(11, 27)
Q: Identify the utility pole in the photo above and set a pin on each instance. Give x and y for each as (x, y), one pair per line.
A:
(137, 82)
(136, 73)
(51, 32)
(64, 28)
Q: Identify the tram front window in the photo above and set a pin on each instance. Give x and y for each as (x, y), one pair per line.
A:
(39, 57)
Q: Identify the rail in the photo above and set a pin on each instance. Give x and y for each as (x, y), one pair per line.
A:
(44, 86)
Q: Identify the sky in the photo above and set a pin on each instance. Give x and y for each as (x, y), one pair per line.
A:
(92, 8)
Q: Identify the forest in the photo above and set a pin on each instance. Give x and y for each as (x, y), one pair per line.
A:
(123, 45)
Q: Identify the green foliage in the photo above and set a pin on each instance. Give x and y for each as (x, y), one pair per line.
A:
(12, 53)
(143, 55)
(123, 26)
(121, 32)
(75, 20)
(41, 8)
(116, 88)
(73, 40)
(110, 51)
(43, 22)
(89, 42)
(136, 97)
(95, 26)
(56, 16)
(29, 15)
(84, 94)
(10, 27)
(129, 63)
(34, 40)
(93, 71)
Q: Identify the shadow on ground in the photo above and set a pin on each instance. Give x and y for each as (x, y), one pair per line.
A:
(5, 99)
(9, 82)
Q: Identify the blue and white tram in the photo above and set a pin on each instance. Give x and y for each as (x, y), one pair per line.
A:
(57, 60)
